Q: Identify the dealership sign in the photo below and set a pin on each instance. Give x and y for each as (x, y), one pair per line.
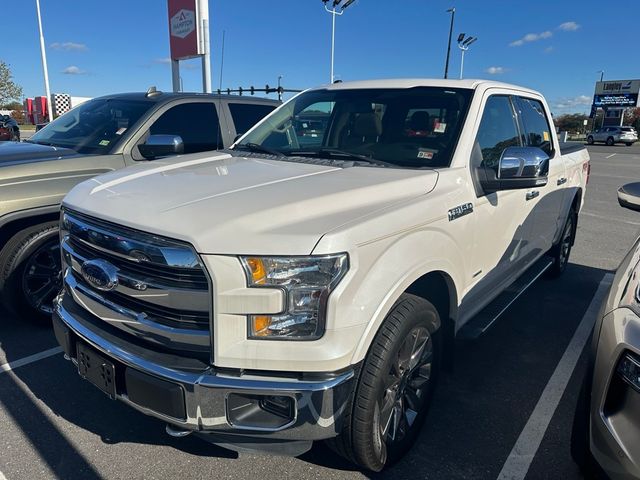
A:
(184, 31)
(616, 93)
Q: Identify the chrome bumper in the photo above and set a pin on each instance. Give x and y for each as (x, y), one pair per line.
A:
(318, 406)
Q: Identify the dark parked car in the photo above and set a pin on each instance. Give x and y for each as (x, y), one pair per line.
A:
(9, 130)
(98, 136)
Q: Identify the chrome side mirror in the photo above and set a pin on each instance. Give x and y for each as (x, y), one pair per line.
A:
(629, 196)
(523, 163)
(161, 146)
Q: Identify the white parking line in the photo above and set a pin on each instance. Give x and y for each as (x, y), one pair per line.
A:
(612, 155)
(7, 367)
(2, 477)
(523, 452)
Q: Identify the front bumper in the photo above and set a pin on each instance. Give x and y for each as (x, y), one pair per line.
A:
(615, 405)
(209, 400)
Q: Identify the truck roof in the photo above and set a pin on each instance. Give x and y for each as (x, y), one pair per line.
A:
(422, 82)
(161, 97)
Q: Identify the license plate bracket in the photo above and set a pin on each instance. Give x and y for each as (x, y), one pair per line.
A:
(97, 369)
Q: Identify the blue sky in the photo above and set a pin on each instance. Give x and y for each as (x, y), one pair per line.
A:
(97, 47)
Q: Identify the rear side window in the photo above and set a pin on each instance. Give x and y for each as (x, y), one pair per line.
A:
(246, 115)
(536, 126)
(196, 123)
(498, 130)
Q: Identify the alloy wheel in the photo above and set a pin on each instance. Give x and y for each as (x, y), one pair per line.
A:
(42, 277)
(405, 388)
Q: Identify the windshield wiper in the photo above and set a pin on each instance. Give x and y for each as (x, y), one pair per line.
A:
(255, 147)
(334, 152)
(48, 144)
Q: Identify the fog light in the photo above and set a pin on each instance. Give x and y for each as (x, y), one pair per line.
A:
(629, 370)
(278, 405)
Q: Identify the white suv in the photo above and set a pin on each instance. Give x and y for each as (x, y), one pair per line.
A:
(613, 135)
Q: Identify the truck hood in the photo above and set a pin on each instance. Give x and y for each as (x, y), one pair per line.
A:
(24, 152)
(225, 204)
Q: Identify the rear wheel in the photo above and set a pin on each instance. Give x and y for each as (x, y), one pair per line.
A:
(560, 252)
(396, 384)
(610, 141)
(30, 271)
(629, 144)
(15, 135)
(590, 140)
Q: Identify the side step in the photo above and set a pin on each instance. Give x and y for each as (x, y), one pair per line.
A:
(479, 324)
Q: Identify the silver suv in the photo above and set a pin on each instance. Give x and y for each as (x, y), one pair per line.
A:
(612, 135)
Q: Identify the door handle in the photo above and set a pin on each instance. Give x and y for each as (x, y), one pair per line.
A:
(532, 194)
(562, 181)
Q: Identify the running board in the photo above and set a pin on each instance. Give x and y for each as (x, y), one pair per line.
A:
(479, 324)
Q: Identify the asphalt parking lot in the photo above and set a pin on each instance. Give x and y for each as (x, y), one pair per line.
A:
(55, 425)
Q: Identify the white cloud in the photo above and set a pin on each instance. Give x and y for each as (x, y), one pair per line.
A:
(163, 60)
(569, 26)
(69, 46)
(496, 70)
(579, 103)
(73, 70)
(184, 65)
(531, 37)
(549, 49)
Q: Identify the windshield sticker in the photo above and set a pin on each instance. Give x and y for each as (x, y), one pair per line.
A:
(426, 153)
(545, 136)
(439, 127)
(121, 130)
(104, 143)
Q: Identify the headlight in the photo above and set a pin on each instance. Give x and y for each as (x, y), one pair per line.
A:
(306, 282)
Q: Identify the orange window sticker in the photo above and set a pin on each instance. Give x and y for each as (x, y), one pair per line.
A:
(545, 136)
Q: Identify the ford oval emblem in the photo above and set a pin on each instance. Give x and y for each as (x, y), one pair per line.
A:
(100, 274)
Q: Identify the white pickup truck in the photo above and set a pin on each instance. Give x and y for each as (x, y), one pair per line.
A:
(310, 282)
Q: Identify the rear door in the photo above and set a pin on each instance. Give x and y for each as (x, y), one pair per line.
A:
(245, 115)
(545, 202)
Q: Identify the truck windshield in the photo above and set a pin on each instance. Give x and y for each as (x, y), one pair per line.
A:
(94, 127)
(408, 127)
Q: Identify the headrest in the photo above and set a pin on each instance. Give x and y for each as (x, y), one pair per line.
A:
(420, 121)
(367, 125)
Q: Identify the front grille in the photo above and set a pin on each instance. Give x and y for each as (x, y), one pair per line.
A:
(158, 290)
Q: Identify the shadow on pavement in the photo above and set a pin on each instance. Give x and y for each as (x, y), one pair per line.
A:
(477, 414)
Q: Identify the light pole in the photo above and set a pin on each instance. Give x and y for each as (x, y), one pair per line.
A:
(601, 72)
(44, 64)
(333, 13)
(452, 11)
(463, 45)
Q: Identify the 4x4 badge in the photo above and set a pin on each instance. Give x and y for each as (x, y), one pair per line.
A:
(460, 211)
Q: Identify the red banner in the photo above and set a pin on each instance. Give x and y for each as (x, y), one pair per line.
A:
(183, 29)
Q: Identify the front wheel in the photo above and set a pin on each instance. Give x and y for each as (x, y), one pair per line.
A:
(395, 387)
(560, 252)
(629, 144)
(30, 272)
(610, 141)
(590, 140)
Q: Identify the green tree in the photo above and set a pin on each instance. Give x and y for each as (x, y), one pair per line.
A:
(9, 90)
(571, 122)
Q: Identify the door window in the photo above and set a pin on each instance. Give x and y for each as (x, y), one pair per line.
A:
(536, 126)
(246, 115)
(196, 123)
(498, 130)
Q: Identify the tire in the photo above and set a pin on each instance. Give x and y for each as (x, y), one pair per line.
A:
(629, 144)
(610, 141)
(30, 272)
(15, 135)
(395, 387)
(560, 252)
(590, 140)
